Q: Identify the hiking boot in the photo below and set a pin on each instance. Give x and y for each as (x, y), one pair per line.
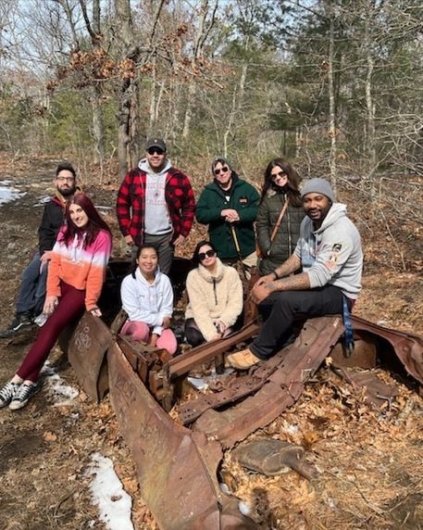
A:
(8, 392)
(242, 360)
(24, 394)
(20, 322)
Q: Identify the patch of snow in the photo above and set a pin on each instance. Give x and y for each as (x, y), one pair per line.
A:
(44, 200)
(244, 508)
(8, 193)
(203, 383)
(108, 494)
(291, 429)
(198, 383)
(61, 393)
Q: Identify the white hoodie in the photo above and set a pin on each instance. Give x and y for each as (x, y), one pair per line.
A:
(332, 254)
(147, 302)
(156, 219)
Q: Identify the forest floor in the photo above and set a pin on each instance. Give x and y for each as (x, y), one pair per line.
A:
(370, 461)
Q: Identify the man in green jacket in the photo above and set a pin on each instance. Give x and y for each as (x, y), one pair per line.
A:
(229, 206)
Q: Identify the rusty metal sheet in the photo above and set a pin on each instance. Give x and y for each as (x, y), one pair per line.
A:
(182, 364)
(376, 392)
(283, 388)
(177, 468)
(87, 351)
(235, 389)
(363, 356)
(407, 346)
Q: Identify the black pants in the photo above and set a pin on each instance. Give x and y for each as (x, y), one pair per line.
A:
(193, 335)
(281, 309)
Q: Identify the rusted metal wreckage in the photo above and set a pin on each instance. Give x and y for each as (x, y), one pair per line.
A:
(178, 460)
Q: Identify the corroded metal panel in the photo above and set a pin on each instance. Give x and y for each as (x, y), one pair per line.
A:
(407, 346)
(87, 351)
(283, 387)
(177, 469)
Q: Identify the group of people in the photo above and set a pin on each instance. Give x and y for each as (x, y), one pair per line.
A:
(307, 251)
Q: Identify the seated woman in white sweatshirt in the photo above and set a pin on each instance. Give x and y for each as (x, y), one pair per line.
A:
(147, 298)
(215, 297)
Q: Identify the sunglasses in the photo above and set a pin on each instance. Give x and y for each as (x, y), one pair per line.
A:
(208, 254)
(153, 150)
(224, 169)
(278, 174)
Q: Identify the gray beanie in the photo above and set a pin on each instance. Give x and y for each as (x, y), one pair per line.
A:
(318, 185)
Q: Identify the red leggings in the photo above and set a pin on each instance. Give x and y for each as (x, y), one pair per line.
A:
(71, 306)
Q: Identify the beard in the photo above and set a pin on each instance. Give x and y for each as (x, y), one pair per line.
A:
(67, 192)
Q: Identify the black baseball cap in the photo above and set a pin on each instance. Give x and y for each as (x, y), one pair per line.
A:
(155, 142)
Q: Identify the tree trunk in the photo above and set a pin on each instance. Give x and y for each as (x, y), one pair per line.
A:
(331, 95)
(370, 144)
(128, 95)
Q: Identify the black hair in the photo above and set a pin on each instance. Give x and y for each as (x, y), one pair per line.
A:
(294, 180)
(66, 166)
(195, 258)
(137, 255)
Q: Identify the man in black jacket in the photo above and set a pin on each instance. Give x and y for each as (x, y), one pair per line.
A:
(31, 294)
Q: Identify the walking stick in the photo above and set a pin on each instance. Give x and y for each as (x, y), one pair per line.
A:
(250, 308)
(238, 251)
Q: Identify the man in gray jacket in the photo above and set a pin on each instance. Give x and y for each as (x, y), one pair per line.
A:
(330, 259)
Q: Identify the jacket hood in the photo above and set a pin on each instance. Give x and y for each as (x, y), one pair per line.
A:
(337, 210)
(145, 166)
(272, 191)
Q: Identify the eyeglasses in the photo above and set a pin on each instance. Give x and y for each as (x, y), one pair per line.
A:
(208, 254)
(279, 174)
(65, 179)
(224, 169)
(153, 150)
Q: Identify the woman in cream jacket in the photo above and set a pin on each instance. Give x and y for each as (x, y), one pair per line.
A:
(215, 297)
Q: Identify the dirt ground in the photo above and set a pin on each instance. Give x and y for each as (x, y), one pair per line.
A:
(370, 461)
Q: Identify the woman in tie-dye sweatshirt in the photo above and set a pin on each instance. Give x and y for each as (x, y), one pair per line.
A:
(75, 279)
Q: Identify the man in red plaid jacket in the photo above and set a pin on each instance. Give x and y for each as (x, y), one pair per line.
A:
(155, 204)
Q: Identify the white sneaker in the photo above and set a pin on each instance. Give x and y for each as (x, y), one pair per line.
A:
(8, 392)
(24, 394)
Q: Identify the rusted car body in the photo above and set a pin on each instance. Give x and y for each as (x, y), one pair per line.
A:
(178, 459)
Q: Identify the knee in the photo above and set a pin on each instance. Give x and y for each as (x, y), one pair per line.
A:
(168, 341)
(136, 330)
(193, 336)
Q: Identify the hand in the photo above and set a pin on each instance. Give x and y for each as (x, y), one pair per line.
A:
(129, 240)
(46, 257)
(220, 326)
(166, 322)
(153, 340)
(264, 279)
(50, 304)
(230, 215)
(95, 311)
(179, 240)
(262, 291)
